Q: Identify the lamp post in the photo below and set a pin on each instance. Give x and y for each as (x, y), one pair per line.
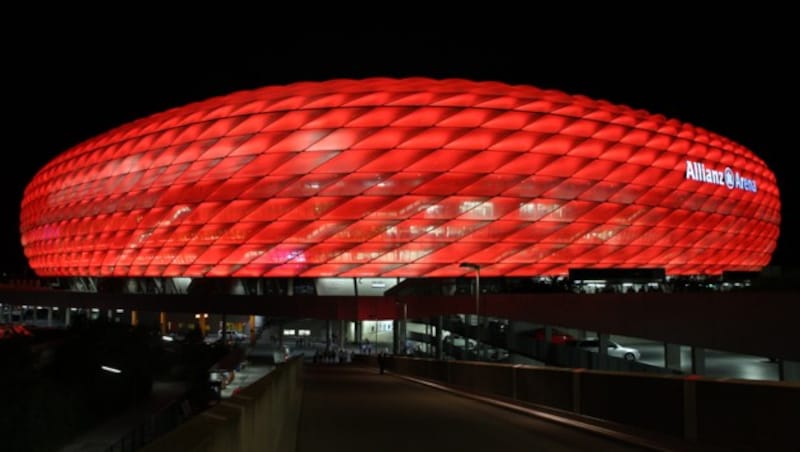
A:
(478, 328)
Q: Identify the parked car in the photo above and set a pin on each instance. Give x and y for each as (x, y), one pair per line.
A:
(281, 354)
(557, 337)
(614, 349)
(234, 336)
(459, 341)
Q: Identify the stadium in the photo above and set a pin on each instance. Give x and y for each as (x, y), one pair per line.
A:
(400, 178)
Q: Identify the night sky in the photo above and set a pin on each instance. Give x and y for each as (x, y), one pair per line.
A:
(736, 80)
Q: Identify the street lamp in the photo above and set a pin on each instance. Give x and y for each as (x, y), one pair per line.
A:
(477, 269)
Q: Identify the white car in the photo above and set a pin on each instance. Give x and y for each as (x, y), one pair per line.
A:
(459, 341)
(233, 336)
(614, 349)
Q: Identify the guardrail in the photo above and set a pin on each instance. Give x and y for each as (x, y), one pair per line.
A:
(263, 416)
(738, 414)
(156, 425)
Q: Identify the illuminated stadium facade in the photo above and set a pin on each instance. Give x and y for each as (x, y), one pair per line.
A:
(400, 178)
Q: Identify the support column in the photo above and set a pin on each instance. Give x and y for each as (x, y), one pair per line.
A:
(162, 322)
(428, 334)
(375, 347)
(402, 337)
(359, 331)
(203, 326)
(672, 356)
(788, 370)
(67, 311)
(395, 337)
(224, 329)
(602, 351)
(342, 333)
(49, 316)
(512, 332)
(698, 360)
(134, 318)
(439, 325)
(327, 335)
(251, 324)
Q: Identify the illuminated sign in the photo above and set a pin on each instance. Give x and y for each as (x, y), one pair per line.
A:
(728, 178)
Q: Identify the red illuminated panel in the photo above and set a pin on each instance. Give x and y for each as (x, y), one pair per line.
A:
(399, 178)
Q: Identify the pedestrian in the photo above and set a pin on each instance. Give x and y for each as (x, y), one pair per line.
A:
(381, 362)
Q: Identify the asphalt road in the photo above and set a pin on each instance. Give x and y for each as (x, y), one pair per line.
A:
(719, 364)
(354, 409)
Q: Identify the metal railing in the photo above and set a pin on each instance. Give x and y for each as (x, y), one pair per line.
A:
(166, 420)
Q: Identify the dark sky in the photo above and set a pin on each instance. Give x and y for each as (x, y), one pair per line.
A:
(731, 77)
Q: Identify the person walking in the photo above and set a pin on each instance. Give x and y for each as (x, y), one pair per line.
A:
(381, 362)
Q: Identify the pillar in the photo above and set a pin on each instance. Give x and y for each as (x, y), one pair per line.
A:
(224, 329)
(439, 344)
(359, 332)
(602, 350)
(49, 316)
(396, 337)
(162, 322)
(672, 356)
(788, 370)
(252, 327)
(327, 335)
(134, 318)
(202, 319)
(513, 329)
(698, 360)
(342, 333)
(428, 334)
(67, 311)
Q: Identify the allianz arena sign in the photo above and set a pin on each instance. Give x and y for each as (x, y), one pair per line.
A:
(727, 178)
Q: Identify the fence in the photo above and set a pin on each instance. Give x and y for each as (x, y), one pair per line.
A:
(738, 414)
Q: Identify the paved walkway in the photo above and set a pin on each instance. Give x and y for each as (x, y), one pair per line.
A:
(357, 409)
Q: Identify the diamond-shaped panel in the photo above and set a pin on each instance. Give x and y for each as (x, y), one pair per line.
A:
(400, 178)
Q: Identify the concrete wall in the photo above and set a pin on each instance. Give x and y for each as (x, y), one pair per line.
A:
(742, 415)
(486, 378)
(738, 414)
(547, 386)
(647, 401)
(262, 417)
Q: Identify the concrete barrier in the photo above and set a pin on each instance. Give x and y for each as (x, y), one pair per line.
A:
(737, 414)
(653, 402)
(261, 417)
(549, 386)
(743, 414)
(487, 378)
